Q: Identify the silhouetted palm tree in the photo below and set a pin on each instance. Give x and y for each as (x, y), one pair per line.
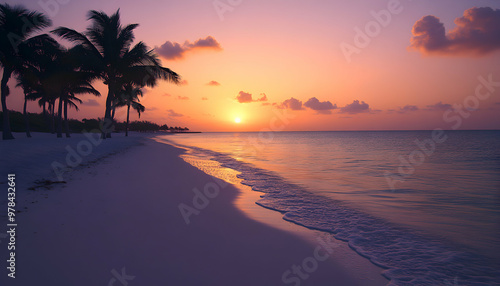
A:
(30, 72)
(16, 25)
(69, 101)
(71, 80)
(77, 82)
(129, 96)
(109, 49)
(25, 80)
(56, 73)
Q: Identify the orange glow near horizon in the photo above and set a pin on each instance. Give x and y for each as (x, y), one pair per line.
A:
(292, 51)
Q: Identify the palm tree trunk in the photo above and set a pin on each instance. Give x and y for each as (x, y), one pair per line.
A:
(52, 118)
(46, 116)
(6, 133)
(113, 111)
(107, 114)
(126, 126)
(59, 117)
(26, 119)
(66, 119)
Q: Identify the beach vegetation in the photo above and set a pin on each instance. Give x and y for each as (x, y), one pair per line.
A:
(17, 26)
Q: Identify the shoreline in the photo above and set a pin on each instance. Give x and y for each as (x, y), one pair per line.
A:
(121, 215)
(246, 202)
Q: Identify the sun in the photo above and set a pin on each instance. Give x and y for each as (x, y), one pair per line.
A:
(237, 120)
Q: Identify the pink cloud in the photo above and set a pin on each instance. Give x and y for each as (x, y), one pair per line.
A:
(244, 97)
(175, 51)
(323, 107)
(292, 103)
(356, 107)
(213, 83)
(477, 32)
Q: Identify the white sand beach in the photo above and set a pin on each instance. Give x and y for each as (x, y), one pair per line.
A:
(116, 221)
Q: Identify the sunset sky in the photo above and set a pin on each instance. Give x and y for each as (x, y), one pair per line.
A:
(329, 65)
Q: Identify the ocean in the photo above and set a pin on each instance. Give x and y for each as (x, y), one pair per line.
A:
(424, 205)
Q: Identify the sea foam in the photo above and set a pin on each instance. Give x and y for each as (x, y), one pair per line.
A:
(409, 257)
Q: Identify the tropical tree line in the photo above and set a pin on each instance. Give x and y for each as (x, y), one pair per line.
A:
(55, 76)
(38, 123)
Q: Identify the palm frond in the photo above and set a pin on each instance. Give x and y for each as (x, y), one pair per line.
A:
(16, 17)
(138, 107)
(72, 104)
(76, 37)
(126, 37)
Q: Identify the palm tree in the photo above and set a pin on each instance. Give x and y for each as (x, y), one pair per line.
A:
(56, 73)
(130, 97)
(45, 103)
(26, 81)
(81, 85)
(52, 113)
(16, 25)
(69, 101)
(31, 71)
(71, 79)
(109, 49)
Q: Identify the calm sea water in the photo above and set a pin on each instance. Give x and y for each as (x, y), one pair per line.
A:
(427, 210)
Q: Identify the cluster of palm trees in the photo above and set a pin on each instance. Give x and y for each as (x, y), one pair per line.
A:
(54, 75)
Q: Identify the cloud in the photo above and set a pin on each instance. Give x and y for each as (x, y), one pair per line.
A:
(355, 107)
(170, 51)
(408, 108)
(292, 103)
(204, 98)
(175, 51)
(324, 107)
(182, 97)
(439, 106)
(172, 113)
(245, 97)
(213, 83)
(477, 32)
(183, 82)
(91, 102)
(209, 42)
(167, 94)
